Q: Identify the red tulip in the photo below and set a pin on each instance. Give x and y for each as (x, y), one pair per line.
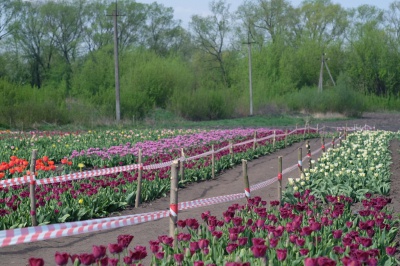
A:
(61, 258)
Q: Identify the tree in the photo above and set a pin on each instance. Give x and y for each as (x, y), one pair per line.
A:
(8, 14)
(65, 21)
(323, 21)
(30, 33)
(210, 34)
(163, 33)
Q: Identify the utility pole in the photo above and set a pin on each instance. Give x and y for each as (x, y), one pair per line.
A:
(250, 74)
(321, 74)
(116, 63)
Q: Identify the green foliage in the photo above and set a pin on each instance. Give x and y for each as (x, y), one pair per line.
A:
(23, 106)
(340, 99)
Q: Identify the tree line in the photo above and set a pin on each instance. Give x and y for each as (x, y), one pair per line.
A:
(60, 54)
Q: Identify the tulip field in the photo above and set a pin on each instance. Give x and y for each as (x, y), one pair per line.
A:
(95, 197)
(335, 213)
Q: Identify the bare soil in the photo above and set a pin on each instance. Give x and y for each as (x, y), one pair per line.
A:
(230, 182)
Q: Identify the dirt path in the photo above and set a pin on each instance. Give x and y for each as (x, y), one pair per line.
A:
(229, 182)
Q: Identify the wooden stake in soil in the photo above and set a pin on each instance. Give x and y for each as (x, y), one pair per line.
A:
(300, 160)
(246, 179)
(317, 129)
(323, 144)
(280, 180)
(333, 142)
(173, 206)
(139, 181)
(182, 166)
(308, 153)
(32, 187)
(255, 140)
(212, 162)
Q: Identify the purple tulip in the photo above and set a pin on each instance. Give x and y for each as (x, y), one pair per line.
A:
(198, 263)
(310, 262)
(258, 241)
(127, 260)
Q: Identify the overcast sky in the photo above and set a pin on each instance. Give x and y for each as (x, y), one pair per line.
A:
(184, 9)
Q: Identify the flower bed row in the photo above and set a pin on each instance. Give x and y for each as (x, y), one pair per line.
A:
(96, 197)
(310, 227)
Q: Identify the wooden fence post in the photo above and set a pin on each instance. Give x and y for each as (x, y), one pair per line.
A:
(173, 206)
(182, 166)
(308, 153)
(280, 180)
(245, 179)
(32, 188)
(255, 140)
(139, 181)
(212, 162)
(300, 160)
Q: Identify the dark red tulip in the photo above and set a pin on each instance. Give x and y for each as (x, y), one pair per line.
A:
(203, 243)
(74, 257)
(128, 260)
(194, 246)
(281, 254)
(159, 255)
(300, 242)
(310, 262)
(304, 252)
(198, 263)
(115, 248)
(337, 234)
(61, 258)
(242, 241)
(178, 257)
(113, 262)
(273, 242)
(124, 240)
(86, 259)
(390, 251)
(231, 247)
(102, 261)
(326, 261)
(259, 251)
(99, 251)
(36, 262)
